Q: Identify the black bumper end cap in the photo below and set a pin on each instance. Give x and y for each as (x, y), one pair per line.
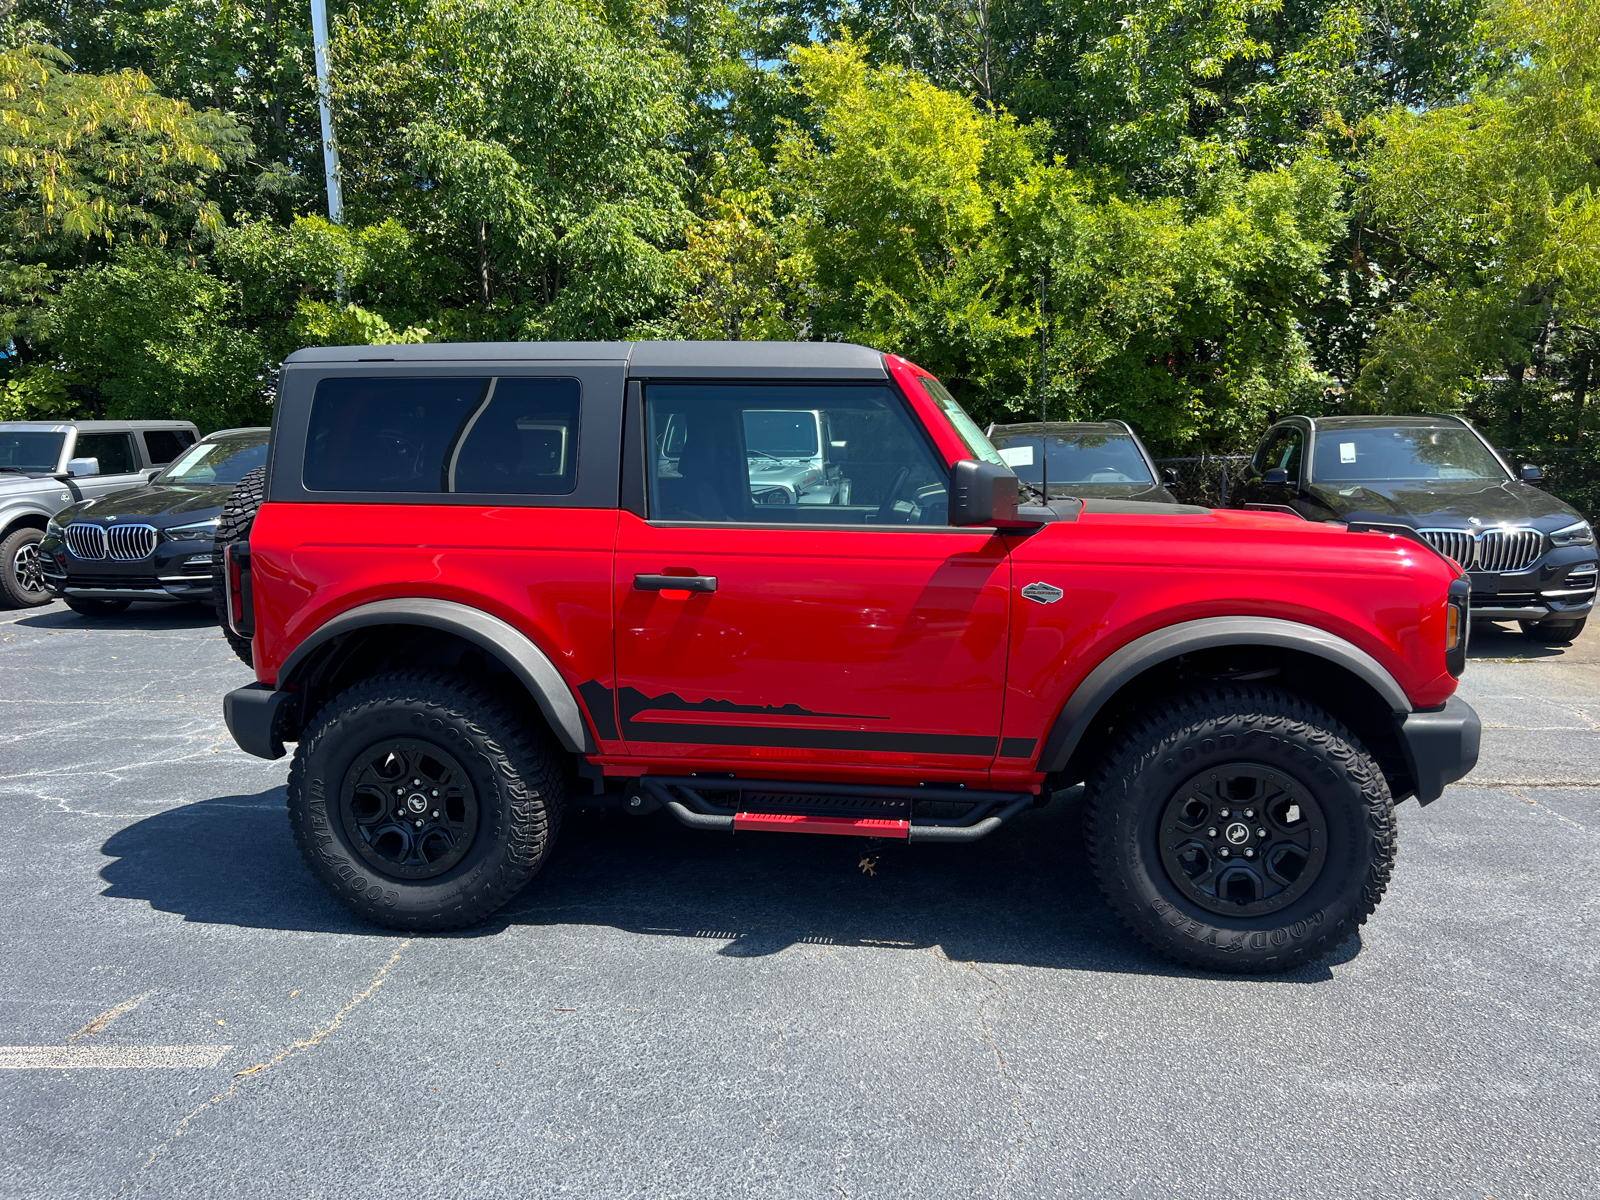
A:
(255, 715)
(1441, 746)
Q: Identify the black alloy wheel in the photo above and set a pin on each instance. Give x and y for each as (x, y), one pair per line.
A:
(1239, 828)
(425, 799)
(409, 808)
(1243, 840)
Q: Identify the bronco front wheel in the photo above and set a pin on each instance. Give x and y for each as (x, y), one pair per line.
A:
(422, 801)
(1240, 829)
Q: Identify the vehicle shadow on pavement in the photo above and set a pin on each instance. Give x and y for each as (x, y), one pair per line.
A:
(1025, 895)
(1507, 641)
(159, 615)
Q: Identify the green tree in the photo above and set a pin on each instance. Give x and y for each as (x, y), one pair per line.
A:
(1488, 213)
(155, 337)
(89, 160)
(534, 142)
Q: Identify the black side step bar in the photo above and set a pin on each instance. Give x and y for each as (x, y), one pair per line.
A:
(851, 809)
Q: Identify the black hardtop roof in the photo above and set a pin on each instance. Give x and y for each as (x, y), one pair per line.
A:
(645, 360)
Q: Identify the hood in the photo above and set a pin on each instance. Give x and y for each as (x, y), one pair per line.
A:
(1153, 492)
(158, 504)
(1446, 504)
(26, 479)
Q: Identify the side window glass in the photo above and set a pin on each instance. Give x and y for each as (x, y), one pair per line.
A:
(1290, 458)
(524, 440)
(790, 454)
(164, 445)
(113, 450)
(386, 434)
(1281, 449)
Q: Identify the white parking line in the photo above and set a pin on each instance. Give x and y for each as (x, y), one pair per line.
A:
(56, 1058)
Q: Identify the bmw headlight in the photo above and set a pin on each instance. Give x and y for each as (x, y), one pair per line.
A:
(54, 528)
(200, 531)
(1573, 535)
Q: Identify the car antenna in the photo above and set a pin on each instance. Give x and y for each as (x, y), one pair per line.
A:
(1044, 418)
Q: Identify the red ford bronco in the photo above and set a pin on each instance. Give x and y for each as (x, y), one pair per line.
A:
(486, 582)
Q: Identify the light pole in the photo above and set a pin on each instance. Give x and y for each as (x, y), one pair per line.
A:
(330, 152)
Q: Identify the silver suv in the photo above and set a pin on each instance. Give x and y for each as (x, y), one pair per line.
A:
(47, 465)
(792, 456)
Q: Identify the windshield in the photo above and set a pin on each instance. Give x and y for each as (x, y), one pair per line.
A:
(778, 434)
(1408, 454)
(217, 462)
(971, 436)
(29, 450)
(1074, 459)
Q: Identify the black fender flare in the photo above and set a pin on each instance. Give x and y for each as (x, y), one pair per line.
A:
(531, 665)
(1123, 665)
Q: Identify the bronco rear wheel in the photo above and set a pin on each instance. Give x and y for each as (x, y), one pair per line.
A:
(1240, 829)
(421, 802)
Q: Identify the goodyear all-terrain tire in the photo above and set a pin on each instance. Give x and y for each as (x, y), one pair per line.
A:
(238, 514)
(423, 802)
(1240, 829)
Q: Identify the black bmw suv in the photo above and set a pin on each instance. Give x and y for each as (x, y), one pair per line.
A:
(152, 542)
(1531, 556)
(1087, 460)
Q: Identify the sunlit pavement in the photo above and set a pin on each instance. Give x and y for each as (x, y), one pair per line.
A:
(665, 1013)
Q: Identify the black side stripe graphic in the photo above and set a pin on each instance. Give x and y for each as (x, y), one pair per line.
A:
(810, 739)
(1017, 747)
(597, 698)
(631, 702)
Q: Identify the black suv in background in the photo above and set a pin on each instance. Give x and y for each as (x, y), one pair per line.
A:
(152, 542)
(1087, 460)
(1531, 557)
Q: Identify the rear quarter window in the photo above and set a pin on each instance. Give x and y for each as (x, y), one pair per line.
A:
(488, 435)
(164, 445)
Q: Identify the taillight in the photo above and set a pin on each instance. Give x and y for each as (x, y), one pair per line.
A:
(237, 590)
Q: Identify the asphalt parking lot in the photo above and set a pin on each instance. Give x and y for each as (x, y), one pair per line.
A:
(665, 1013)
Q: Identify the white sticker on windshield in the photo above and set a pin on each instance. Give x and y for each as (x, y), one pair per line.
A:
(1347, 452)
(1017, 456)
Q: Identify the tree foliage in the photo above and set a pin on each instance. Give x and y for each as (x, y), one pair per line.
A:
(1195, 215)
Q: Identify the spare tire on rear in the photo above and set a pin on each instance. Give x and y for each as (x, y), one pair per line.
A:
(238, 514)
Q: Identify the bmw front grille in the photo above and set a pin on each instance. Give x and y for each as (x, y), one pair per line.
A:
(1490, 550)
(86, 541)
(1453, 544)
(120, 543)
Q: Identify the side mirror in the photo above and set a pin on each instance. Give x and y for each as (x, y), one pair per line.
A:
(1170, 476)
(1275, 477)
(83, 466)
(151, 474)
(986, 494)
(1531, 473)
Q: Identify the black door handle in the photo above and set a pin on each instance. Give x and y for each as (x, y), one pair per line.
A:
(681, 583)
